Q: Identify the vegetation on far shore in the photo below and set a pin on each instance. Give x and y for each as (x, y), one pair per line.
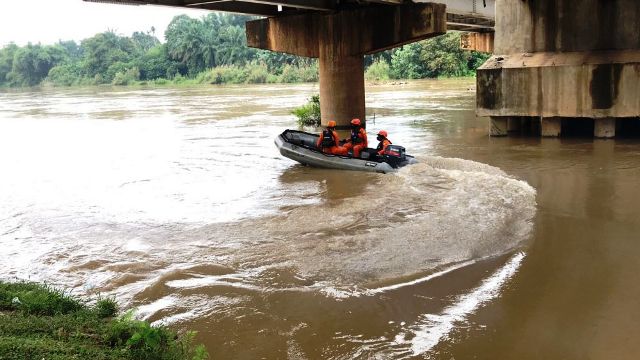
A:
(39, 322)
(209, 50)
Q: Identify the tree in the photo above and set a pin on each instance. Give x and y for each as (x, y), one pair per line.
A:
(144, 42)
(155, 64)
(104, 50)
(31, 64)
(444, 57)
(192, 43)
(73, 50)
(233, 47)
(406, 63)
(6, 61)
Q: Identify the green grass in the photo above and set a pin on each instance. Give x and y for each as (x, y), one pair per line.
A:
(39, 322)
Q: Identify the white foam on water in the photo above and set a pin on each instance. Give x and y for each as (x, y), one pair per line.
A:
(343, 294)
(429, 330)
(145, 311)
(433, 328)
(420, 280)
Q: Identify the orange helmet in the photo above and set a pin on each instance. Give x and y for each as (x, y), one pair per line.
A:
(383, 133)
(356, 122)
(331, 124)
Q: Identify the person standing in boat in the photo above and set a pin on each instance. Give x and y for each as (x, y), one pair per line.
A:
(329, 141)
(358, 139)
(383, 142)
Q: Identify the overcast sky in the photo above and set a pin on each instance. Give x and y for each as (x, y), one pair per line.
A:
(47, 21)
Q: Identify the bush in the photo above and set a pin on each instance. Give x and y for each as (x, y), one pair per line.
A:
(309, 114)
(147, 342)
(257, 73)
(228, 74)
(160, 81)
(299, 73)
(106, 308)
(179, 79)
(35, 299)
(377, 71)
(64, 75)
(126, 77)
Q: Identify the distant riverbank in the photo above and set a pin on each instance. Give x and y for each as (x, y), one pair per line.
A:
(229, 77)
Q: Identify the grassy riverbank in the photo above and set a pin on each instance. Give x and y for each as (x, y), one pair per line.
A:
(38, 322)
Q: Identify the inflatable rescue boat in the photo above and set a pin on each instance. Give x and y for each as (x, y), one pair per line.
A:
(301, 147)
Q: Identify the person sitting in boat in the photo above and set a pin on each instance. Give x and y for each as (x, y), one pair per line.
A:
(329, 141)
(358, 139)
(383, 142)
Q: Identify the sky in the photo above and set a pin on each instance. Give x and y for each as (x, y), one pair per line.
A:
(47, 21)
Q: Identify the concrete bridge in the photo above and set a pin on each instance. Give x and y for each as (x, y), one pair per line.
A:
(556, 63)
(563, 65)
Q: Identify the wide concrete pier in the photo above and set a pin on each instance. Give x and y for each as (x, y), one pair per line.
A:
(560, 63)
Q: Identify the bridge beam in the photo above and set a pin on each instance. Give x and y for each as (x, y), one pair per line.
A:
(562, 59)
(340, 40)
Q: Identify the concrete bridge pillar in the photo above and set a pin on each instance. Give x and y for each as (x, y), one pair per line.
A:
(604, 128)
(340, 40)
(551, 127)
(564, 60)
(342, 94)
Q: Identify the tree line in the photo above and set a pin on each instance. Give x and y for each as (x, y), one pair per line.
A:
(213, 50)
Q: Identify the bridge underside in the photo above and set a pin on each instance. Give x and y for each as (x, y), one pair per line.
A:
(259, 7)
(560, 65)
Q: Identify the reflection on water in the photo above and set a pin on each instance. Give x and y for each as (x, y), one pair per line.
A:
(176, 202)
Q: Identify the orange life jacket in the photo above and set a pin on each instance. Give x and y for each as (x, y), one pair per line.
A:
(382, 146)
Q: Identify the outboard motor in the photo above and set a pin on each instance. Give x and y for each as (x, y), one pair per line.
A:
(394, 155)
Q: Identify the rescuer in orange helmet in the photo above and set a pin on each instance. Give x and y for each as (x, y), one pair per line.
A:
(358, 139)
(329, 141)
(383, 142)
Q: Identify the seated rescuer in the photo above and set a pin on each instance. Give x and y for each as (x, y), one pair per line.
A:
(329, 141)
(358, 139)
(384, 142)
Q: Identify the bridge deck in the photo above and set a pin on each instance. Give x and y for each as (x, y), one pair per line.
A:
(463, 15)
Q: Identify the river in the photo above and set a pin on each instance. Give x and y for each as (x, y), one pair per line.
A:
(176, 202)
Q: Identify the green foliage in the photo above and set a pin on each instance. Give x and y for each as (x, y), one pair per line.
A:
(106, 308)
(72, 49)
(440, 56)
(210, 50)
(379, 70)
(299, 73)
(155, 64)
(406, 63)
(6, 61)
(36, 299)
(309, 114)
(31, 64)
(64, 74)
(126, 77)
(38, 322)
(103, 52)
(144, 42)
(257, 73)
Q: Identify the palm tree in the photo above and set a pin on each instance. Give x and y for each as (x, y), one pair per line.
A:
(233, 46)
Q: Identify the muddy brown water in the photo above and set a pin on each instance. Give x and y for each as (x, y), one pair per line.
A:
(176, 202)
